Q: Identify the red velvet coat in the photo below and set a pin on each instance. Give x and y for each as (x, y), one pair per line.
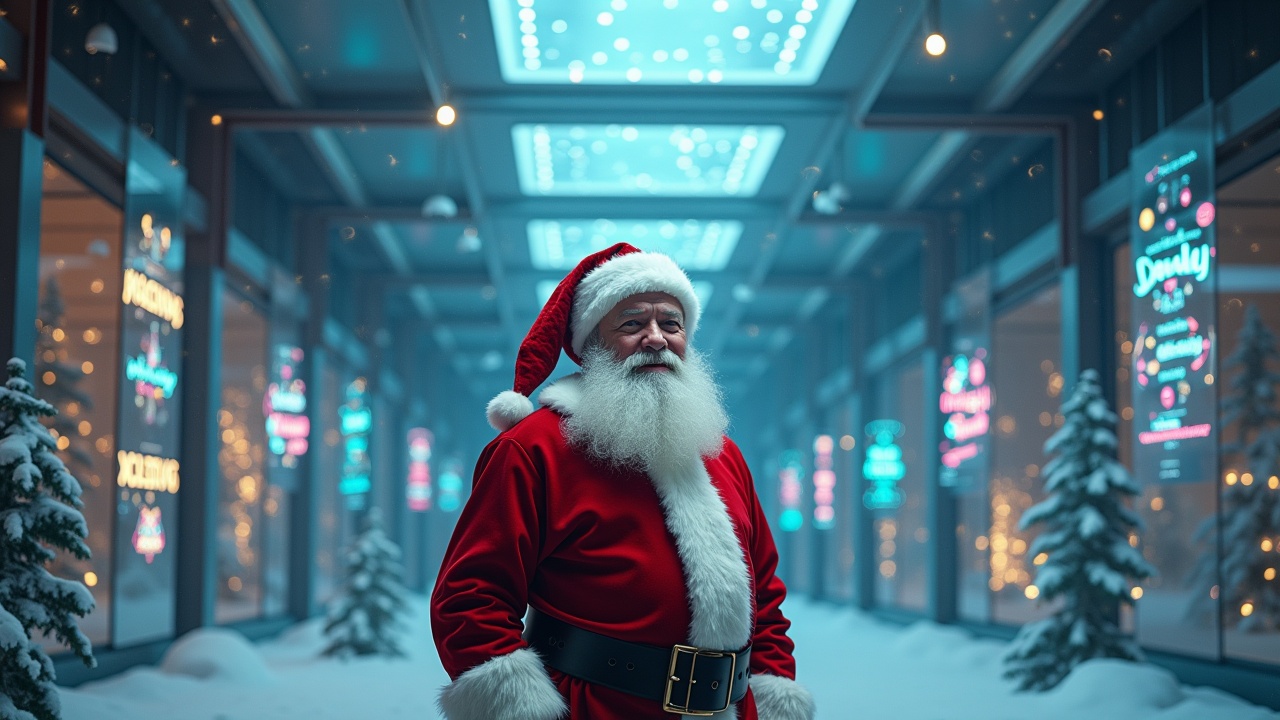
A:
(547, 527)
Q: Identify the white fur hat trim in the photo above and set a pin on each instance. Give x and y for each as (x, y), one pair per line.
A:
(624, 276)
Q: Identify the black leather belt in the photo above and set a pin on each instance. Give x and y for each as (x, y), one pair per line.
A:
(685, 679)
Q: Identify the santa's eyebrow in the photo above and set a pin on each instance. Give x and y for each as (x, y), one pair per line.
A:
(631, 312)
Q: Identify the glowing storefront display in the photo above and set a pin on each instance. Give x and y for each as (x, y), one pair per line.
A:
(1174, 304)
(450, 490)
(790, 478)
(418, 485)
(285, 407)
(965, 404)
(824, 483)
(150, 390)
(883, 467)
(356, 421)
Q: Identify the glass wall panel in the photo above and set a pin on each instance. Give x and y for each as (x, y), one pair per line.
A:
(77, 363)
(242, 460)
(1027, 383)
(1249, 282)
(901, 533)
(326, 472)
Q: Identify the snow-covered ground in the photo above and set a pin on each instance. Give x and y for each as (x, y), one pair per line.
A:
(856, 666)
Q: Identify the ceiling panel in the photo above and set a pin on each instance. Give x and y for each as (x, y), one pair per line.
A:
(338, 46)
(644, 160)
(402, 165)
(760, 42)
(695, 245)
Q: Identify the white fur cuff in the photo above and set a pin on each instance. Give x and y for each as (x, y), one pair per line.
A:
(778, 698)
(508, 408)
(507, 687)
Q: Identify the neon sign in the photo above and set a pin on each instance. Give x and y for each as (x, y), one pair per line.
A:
(148, 536)
(965, 402)
(450, 490)
(285, 406)
(148, 294)
(883, 466)
(824, 483)
(418, 486)
(139, 471)
(1174, 305)
(355, 420)
(790, 474)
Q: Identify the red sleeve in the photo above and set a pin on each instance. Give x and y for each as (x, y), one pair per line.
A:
(480, 595)
(771, 649)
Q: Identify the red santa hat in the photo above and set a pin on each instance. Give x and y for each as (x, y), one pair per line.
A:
(577, 306)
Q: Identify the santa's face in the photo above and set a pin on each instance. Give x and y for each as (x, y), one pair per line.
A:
(648, 322)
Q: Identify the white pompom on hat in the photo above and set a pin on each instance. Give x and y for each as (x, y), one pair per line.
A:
(576, 307)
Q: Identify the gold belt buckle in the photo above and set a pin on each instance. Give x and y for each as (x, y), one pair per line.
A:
(668, 706)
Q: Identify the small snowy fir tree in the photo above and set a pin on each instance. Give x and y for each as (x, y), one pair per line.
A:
(1086, 541)
(365, 618)
(1251, 498)
(39, 513)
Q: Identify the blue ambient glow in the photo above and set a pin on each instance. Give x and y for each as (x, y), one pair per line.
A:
(700, 288)
(697, 245)
(673, 42)
(660, 160)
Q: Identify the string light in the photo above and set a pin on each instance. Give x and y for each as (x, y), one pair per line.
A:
(445, 115)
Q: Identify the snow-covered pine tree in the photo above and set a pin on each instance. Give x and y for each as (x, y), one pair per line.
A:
(1086, 543)
(64, 393)
(1251, 504)
(39, 514)
(365, 617)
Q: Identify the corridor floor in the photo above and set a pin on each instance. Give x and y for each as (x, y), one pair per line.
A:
(856, 666)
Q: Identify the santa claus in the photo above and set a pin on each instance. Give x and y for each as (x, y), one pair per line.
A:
(613, 560)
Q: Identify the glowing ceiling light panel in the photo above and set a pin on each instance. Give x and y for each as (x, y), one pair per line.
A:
(672, 42)
(656, 160)
(696, 245)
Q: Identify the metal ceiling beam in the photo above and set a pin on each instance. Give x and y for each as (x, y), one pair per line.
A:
(468, 281)
(429, 58)
(1054, 32)
(269, 59)
(264, 51)
(854, 108)
(633, 104)
(639, 208)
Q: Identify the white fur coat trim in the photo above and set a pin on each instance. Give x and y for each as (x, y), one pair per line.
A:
(715, 570)
(621, 277)
(515, 686)
(778, 698)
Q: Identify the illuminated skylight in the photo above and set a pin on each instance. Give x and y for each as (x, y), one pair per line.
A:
(701, 289)
(695, 245)
(665, 160)
(667, 42)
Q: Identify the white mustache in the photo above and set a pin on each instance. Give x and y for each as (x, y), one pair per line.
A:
(660, 357)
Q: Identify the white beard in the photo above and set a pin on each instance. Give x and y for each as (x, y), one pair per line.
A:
(656, 421)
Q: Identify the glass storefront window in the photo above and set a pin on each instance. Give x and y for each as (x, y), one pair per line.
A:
(243, 495)
(1028, 387)
(901, 534)
(1248, 279)
(77, 363)
(1171, 614)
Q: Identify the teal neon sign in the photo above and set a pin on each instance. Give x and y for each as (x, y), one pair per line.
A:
(790, 476)
(356, 421)
(883, 466)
